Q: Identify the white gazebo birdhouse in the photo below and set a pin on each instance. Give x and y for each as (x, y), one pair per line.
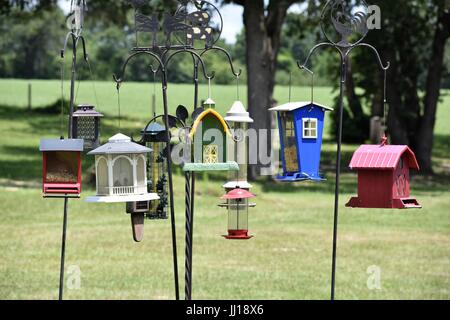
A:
(121, 171)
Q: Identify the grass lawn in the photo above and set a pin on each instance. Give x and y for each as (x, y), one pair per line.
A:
(289, 257)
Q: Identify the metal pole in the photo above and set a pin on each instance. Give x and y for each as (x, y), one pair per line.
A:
(338, 170)
(169, 171)
(188, 238)
(72, 82)
(63, 250)
(190, 200)
(66, 200)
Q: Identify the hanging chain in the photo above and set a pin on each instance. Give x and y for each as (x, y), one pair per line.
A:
(384, 103)
(237, 87)
(93, 83)
(290, 85)
(154, 91)
(209, 87)
(118, 103)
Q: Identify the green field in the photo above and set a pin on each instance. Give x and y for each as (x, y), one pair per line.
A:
(289, 257)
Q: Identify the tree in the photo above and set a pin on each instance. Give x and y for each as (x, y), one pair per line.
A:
(413, 38)
(263, 28)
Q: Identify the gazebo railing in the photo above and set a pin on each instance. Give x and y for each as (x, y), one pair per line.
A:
(126, 190)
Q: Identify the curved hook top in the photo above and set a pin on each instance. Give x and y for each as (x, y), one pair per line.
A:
(230, 60)
(193, 53)
(317, 46)
(75, 40)
(388, 64)
(120, 79)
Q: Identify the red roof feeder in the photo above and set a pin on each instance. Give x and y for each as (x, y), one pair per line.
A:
(61, 160)
(237, 204)
(383, 177)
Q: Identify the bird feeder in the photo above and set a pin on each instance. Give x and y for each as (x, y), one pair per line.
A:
(208, 137)
(121, 171)
(154, 135)
(86, 126)
(121, 176)
(238, 118)
(301, 126)
(383, 176)
(61, 166)
(237, 204)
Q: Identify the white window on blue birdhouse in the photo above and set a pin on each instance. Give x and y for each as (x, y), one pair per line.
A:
(309, 128)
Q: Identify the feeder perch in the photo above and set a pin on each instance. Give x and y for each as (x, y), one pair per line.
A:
(301, 126)
(61, 168)
(383, 177)
(237, 205)
(86, 126)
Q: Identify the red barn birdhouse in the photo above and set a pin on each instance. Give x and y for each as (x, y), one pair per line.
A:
(383, 177)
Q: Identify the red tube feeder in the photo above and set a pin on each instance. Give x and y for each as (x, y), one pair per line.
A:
(237, 205)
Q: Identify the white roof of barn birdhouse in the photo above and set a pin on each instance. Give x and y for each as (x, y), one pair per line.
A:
(120, 144)
(61, 145)
(291, 106)
(237, 113)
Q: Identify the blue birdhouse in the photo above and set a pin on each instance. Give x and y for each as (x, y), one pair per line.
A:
(301, 128)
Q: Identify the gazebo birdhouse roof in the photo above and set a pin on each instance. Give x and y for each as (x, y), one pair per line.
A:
(382, 157)
(291, 106)
(120, 144)
(237, 113)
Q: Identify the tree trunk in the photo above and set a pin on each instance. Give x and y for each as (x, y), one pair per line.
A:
(424, 142)
(263, 33)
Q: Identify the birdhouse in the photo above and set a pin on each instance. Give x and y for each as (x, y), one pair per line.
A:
(121, 171)
(383, 177)
(61, 166)
(301, 127)
(208, 137)
(154, 136)
(86, 126)
(237, 204)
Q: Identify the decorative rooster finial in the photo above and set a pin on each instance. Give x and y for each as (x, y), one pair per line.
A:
(346, 23)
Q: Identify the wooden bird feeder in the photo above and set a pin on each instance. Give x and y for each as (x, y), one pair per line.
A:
(61, 167)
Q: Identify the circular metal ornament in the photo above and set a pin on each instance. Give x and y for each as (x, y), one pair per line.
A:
(344, 22)
(203, 22)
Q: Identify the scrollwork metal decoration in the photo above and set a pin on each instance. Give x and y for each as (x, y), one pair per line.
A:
(194, 21)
